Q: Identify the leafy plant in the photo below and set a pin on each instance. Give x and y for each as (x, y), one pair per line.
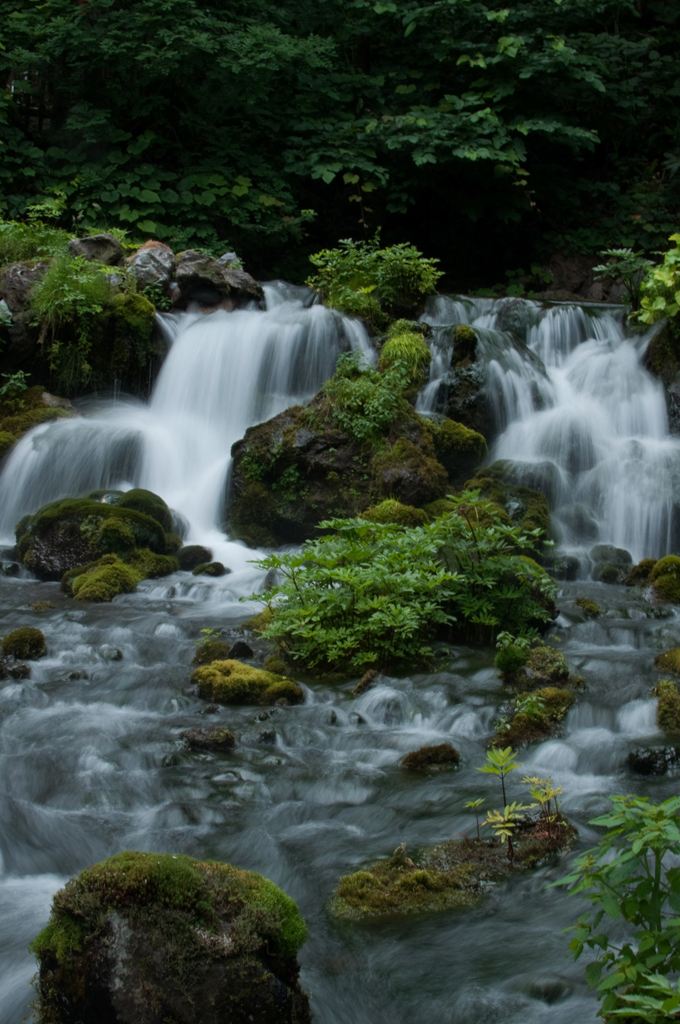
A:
(500, 762)
(376, 594)
(20, 242)
(12, 390)
(364, 400)
(655, 999)
(661, 290)
(544, 794)
(625, 266)
(503, 823)
(207, 635)
(155, 294)
(631, 877)
(475, 805)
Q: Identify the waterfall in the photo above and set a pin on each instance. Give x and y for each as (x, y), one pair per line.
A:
(223, 373)
(575, 412)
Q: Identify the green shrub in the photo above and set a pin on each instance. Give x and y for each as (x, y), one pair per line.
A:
(362, 279)
(391, 511)
(661, 290)
(26, 643)
(365, 401)
(374, 595)
(511, 658)
(21, 242)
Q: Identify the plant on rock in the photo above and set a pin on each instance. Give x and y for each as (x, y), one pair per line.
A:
(376, 594)
(630, 877)
(661, 290)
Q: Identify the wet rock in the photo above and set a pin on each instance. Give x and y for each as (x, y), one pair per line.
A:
(153, 264)
(102, 248)
(566, 567)
(271, 580)
(43, 606)
(640, 573)
(232, 682)
(110, 653)
(210, 569)
(209, 739)
(267, 737)
(612, 565)
(365, 683)
(590, 609)
(211, 650)
(668, 661)
(275, 663)
(26, 643)
(441, 757)
(10, 568)
(550, 989)
(111, 951)
(580, 522)
(192, 555)
(16, 284)
(10, 668)
(526, 507)
(535, 716)
(241, 650)
(210, 709)
(665, 579)
(652, 760)
(210, 283)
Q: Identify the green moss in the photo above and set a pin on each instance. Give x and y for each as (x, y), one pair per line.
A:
(640, 573)
(149, 504)
(591, 608)
(274, 663)
(135, 310)
(111, 535)
(409, 349)
(458, 448)
(464, 344)
(6, 441)
(667, 588)
(259, 623)
(391, 511)
(668, 661)
(511, 658)
(526, 507)
(209, 569)
(25, 644)
(22, 422)
(92, 521)
(232, 682)
(211, 650)
(173, 543)
(175, 892)
(416, 461)
(668, 708)
(151, 566)
(527, 726)
(192, 555)
(606, 572)
(105, 581)
(432, 759)
(43, 606)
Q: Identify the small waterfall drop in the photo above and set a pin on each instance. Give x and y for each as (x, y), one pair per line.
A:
(575, 412)
(223, 373)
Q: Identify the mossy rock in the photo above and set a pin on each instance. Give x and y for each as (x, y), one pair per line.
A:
(668, 661)
(7, 440)
(260, 622)
(454, 875)
(210, 569)
(437, 758)
(529, 726)
(232, 682)
(591, 609)
(612, 564)
(668, 708)
(43, 606)
(224, 943)
(104, 581)
(18, 424)
(410, 471)
(640, 573)
(526, 507)
(192, 555)
(211, 650)
(543, 666)
(151, 566)
(74, 531)
(24, 644)
(409, 349)
(608, 572)
(510, 659)
(665, 579)
(459, 449)
(149, 504)
(221, 740)
(464, 344)
(274, 663)
(391, 511)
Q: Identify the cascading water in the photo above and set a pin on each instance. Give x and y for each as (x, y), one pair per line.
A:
(577, 415)
(223, 373)
(91, 756)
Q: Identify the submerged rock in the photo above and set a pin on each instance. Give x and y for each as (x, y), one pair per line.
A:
(612, 565)
(652, 760)
(192, 555)
(209, 739)
(440, 757)
(143, 938)
(210, 569)
(26, 643)
(232, 682)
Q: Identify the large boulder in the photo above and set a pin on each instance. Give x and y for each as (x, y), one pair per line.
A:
(16, 283)
(212, 283)
(467, 396)
(144, 938)
(102, 248)
(153, 264)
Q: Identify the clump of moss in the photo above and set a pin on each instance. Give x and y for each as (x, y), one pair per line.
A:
(104, 581)
(510, 659)
(395, 468)
(193, 914)
(151, 566)
(211, 650)
(464, 344)
(260, 622)
(668, 708)
(459, 449)
(668, 661)
(232, 682)
(408, 349)
(391, 511)
(210, 569)
(452, 875)
(192, 555)
(274, 663)
(640, 573)
(543, 666)
(6, 441)
(43, 606)
(24, 644)
(590, 608)
(537, 715)
(665, 578)
(432, 759)
(149, 504)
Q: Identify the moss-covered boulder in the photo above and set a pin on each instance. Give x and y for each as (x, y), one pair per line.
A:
(75, 531)
(210, 569)
(590, 609)
(437, 758)
(459, 449)
(392, 511)
(535, 716)
(211, 650)
(527, 507)
(102, 580)
(221, 740)
(144, 937)
(232, 682)
(611, 564)
(24, 644)
(468, 400)
(151, 566)
(454, 875)
(668, 661)
(405, 345)
(668, 707)
(639, 575)
(665, 579)
(192, 555)
(536, 668)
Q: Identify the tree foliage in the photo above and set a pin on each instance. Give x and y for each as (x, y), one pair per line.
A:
(202, 122)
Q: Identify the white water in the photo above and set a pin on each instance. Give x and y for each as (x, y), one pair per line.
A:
(577, 414)
(223, 373)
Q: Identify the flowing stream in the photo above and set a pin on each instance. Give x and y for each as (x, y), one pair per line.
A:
(91, 760)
